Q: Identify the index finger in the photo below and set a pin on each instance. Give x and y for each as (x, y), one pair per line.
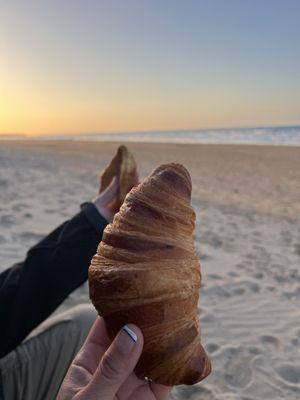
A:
(98, 334)
(95, 345)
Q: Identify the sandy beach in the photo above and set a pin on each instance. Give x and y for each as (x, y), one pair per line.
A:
(247, 201)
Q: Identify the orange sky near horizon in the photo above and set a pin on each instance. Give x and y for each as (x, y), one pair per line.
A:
(37, 108)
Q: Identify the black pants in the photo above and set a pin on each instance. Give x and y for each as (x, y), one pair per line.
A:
(30, 291)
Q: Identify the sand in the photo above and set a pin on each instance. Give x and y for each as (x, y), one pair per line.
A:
(247, 201)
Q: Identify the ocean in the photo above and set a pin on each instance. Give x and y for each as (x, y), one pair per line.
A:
(285, 136)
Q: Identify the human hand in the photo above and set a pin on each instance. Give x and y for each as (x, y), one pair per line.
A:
(104, 371)
(106, 201)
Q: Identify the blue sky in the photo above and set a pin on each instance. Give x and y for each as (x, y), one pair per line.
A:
(82, 66)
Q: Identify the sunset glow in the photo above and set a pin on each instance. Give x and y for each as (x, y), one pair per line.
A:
(112, 66)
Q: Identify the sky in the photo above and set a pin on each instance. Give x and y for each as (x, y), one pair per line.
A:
(69, 67)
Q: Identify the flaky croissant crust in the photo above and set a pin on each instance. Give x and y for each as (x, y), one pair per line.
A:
(146, 272)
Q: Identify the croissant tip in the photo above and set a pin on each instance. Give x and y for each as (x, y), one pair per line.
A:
(174, 166)
(177, 176)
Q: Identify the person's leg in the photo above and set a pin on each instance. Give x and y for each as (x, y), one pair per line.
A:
(35, 370)
(55, 267)
(31, 290)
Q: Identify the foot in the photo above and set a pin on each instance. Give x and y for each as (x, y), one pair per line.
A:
(106, 200)
(124, 167)
(116, 181)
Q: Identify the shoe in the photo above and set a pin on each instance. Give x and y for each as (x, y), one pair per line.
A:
(124, 167)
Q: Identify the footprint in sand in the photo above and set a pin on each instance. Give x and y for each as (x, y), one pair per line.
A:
(281, 278)
(259, 275)
(229, 352)
(194, 392)
(257, 247)
(241, 266)
(216, 242)
(212, 240)
(214, 276)
(293, 295)
(19, 207)
(238, 372)
(257, 233)
(2, 239)
(212, 347)
(295, 275)
(208, 318)
(218, 291)
(254, 350)
(289, 372)
(30, 236)
(247, 265)
(297, 249)
(4, 183)
(237, 369)
(27, 215)
(7, 220)
(203, 256)
(250, 256)
(295, 342)
(233, 274)
(271, 288)
(270, 341)
(241, 287)
(238, 291)
(50, 211)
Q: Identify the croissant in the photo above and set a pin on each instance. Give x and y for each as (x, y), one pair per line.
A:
(123, 166)
(146, 272)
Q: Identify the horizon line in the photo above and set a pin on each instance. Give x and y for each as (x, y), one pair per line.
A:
(92, 133)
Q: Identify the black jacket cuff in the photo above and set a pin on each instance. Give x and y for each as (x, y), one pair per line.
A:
(94, 217)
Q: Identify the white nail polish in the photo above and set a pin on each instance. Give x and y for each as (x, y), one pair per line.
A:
(130, 333)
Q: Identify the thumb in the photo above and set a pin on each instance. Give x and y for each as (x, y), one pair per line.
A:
(117, 363)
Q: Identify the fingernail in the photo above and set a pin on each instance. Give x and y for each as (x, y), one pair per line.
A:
(126, 340)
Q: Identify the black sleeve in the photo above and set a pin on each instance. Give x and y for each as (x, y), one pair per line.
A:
(32, 290)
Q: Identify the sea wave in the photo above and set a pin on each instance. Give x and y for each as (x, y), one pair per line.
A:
(285, 136)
